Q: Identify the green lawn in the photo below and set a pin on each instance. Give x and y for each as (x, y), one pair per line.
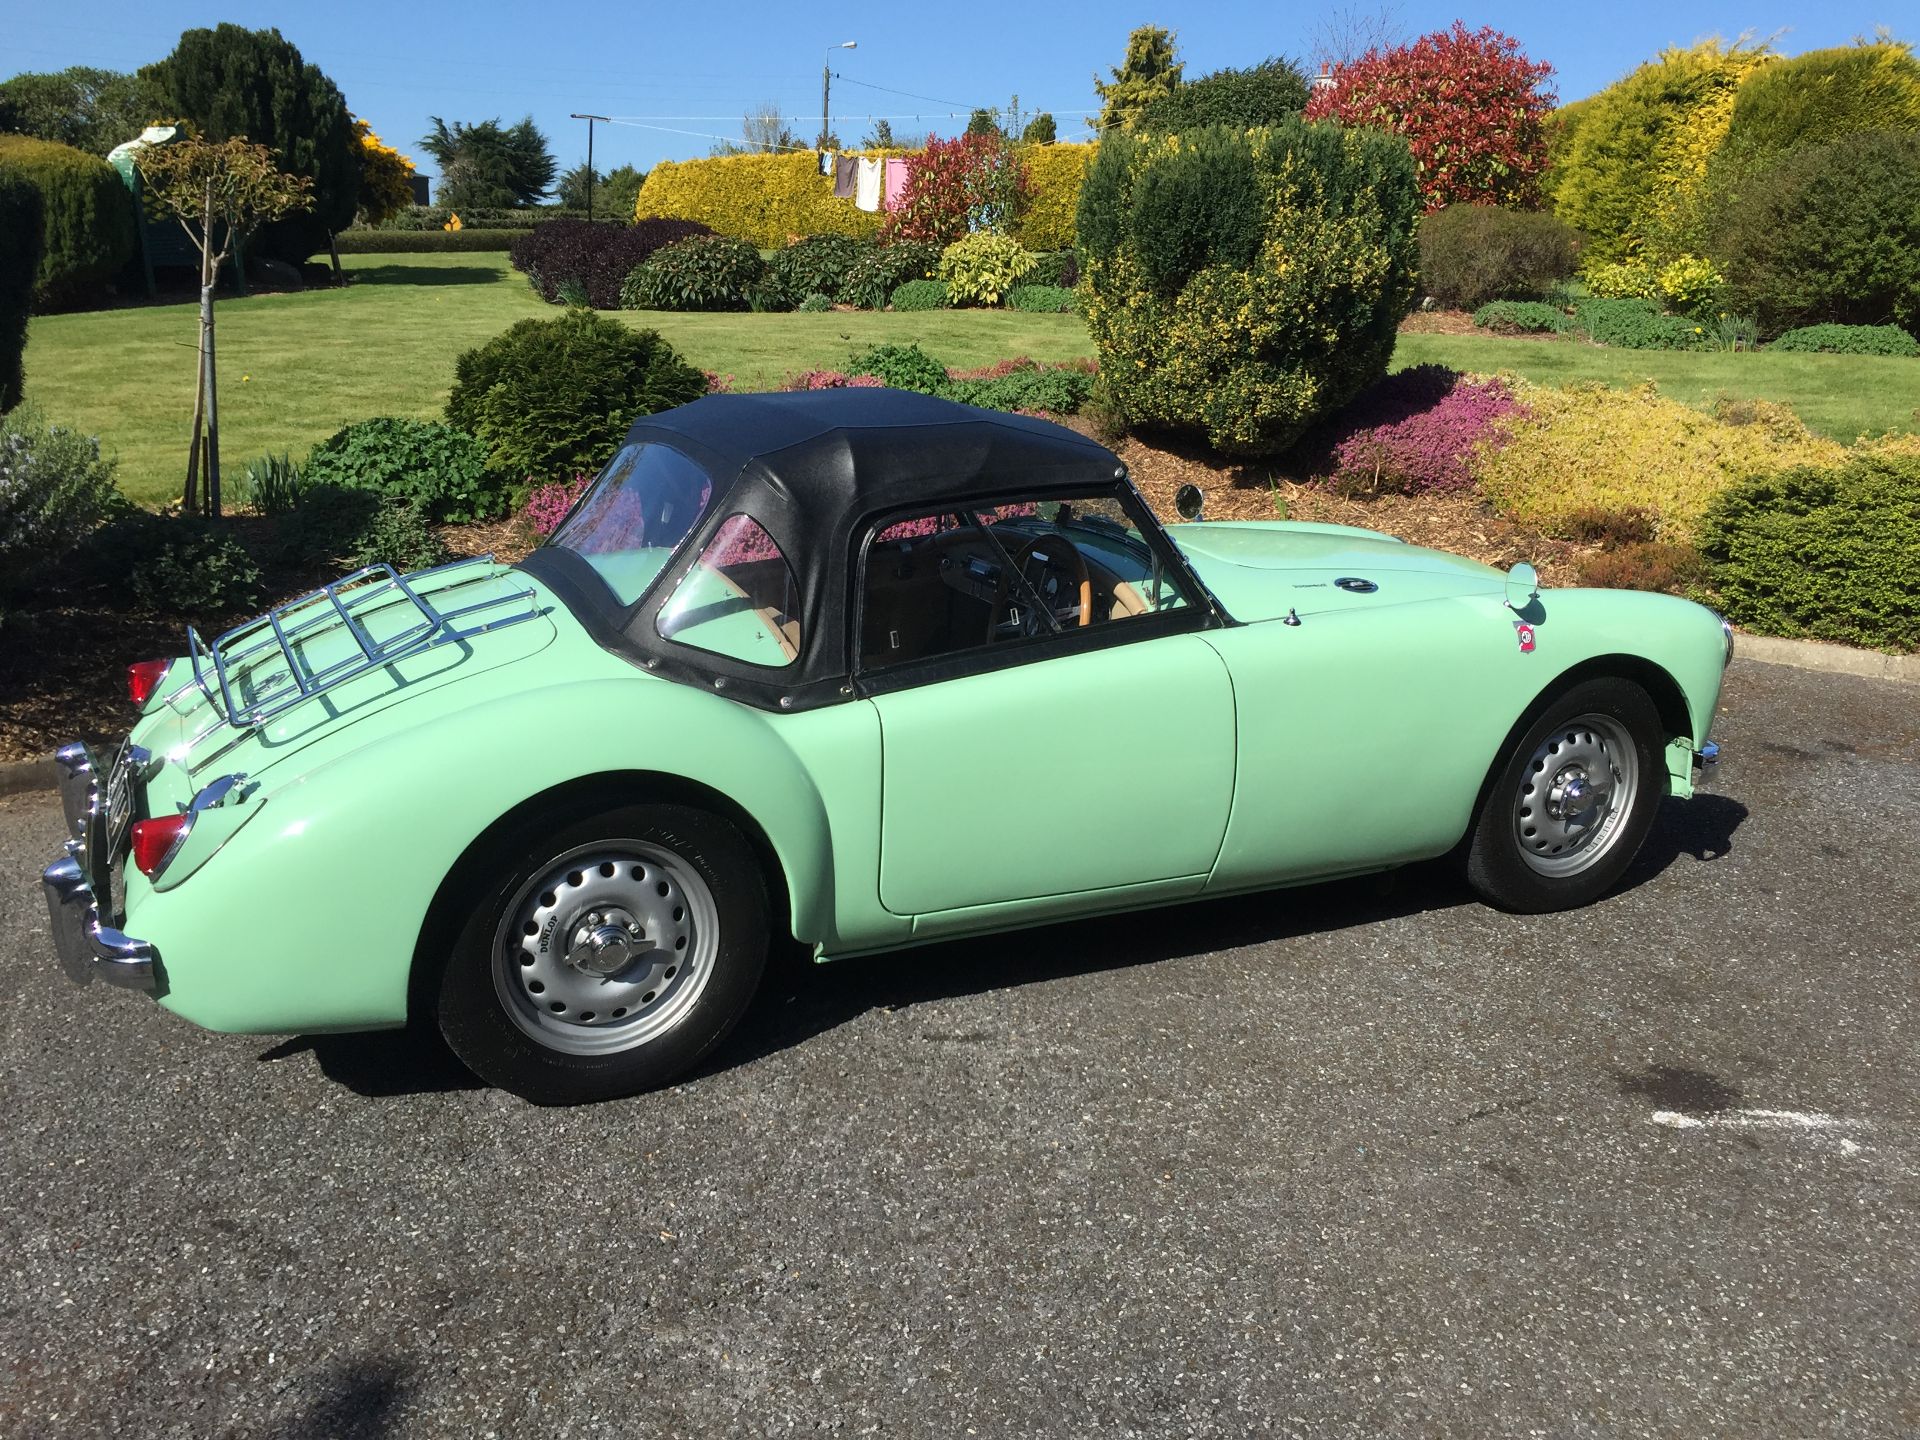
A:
(295, 368)
(1844, 396)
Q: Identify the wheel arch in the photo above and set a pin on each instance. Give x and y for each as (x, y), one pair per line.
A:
(577, 798)
(1676, 717)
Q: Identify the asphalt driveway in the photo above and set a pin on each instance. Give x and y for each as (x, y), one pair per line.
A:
(1366, 1159)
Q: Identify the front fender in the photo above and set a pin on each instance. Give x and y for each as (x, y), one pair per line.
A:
(308, 918)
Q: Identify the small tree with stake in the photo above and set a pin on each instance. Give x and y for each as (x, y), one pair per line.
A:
(218, 191)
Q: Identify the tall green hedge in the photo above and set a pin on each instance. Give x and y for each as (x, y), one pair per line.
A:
(87, 224)
(1826, 234)
(1824, 94)
(19, 262)
(1243, 283)
(1833, 553)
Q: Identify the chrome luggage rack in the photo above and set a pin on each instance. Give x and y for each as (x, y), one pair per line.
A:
(234, 659)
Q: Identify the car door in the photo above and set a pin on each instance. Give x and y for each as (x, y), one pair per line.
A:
(1055, 727)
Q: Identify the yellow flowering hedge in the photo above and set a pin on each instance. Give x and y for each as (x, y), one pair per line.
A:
(1588, 447)
(766, 200)
(1055, 174)
(771, 199)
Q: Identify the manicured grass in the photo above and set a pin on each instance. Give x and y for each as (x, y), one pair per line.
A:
(295, 368)
(1843, 396)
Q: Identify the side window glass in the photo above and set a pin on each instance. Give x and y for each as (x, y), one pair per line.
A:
(739, 599)
(945, 582)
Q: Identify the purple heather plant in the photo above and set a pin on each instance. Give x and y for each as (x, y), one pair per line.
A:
(1417, 431)
(547, 506)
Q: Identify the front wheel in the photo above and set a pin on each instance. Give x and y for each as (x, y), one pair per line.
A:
(1571, 805)
(607, 956)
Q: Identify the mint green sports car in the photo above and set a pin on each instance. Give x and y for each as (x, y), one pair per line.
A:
(860, 668)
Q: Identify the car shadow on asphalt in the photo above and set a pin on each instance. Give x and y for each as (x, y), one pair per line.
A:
(799, 1000)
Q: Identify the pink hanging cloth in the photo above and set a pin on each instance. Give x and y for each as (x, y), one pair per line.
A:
(894, 184)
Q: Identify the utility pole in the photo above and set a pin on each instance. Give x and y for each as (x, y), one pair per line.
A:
(826, 88)
(590, 119)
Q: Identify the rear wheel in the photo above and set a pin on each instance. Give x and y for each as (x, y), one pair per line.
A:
(607, 956)
(1573, 802)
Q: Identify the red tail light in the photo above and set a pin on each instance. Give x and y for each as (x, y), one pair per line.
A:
(155, 840)
(144, 677)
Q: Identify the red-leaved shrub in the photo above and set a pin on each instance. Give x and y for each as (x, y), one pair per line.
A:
(954, 187)
(1470, 104)
(831, 380)
(1416, 431)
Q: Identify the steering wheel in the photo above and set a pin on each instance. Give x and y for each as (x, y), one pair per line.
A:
(1057, 571)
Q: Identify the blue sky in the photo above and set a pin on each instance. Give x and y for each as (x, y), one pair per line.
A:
(697, 67)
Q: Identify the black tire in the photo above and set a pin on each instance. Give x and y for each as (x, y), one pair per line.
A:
(1532, 849)
(496, 1027)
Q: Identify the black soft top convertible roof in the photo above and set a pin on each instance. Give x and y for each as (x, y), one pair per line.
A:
(843, 454)
(817, 468)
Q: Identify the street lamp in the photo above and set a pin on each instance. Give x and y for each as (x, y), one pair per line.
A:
(589, 119)
(826, 87)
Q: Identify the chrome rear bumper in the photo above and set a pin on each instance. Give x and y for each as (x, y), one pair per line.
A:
(73, 884)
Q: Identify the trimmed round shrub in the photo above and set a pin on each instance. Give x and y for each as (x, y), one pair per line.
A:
(879, 270)
(706, 272)
(817, 265)
(1636, 325)
(1521, 317)
(1243, 284)
(1470, 254)
(1572, 451)
(439, 468)
(87, 218)
(981, 268)
(1829, 551)
(593, 255)
(1848, 340)
(920, 295)
(1041, 299)
(54, 488)
(815, 304)
(20, 212)
(1830, 233)
(902, 367)
(548, 399)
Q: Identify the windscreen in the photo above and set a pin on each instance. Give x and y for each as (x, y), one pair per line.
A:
(639, 510)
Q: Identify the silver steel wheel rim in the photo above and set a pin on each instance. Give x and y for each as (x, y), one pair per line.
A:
(607, 948)
(1575, 795)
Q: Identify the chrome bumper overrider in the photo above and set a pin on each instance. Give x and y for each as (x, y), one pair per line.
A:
(96, 810)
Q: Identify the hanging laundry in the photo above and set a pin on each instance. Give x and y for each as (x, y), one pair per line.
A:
(826, 163)
(866, 192)
(845, 171)
(894, 184)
